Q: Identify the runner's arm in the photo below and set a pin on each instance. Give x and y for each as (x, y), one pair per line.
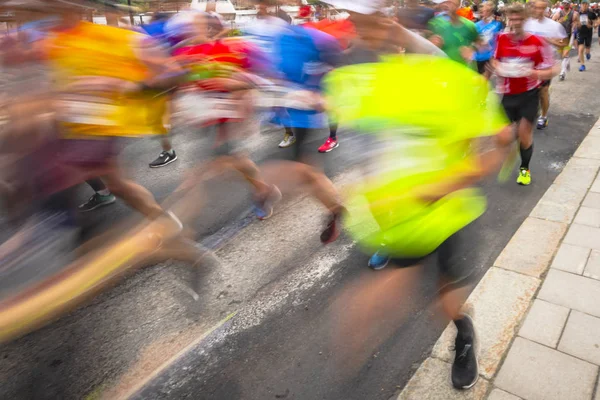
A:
(414, 43)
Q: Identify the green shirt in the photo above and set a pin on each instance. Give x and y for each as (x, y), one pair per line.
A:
(455, 36)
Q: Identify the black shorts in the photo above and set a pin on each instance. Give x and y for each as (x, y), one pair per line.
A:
(453, 271)
(481, 66)
(522, 105)
(546, 83)
(585, 39)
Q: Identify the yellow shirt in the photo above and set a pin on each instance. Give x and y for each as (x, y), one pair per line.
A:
(104, 51)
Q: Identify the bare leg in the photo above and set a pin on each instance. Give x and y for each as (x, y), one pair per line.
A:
(133, 194)
(545, 100)
(166, 144)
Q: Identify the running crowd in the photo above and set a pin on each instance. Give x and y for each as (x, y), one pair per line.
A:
(95, 84)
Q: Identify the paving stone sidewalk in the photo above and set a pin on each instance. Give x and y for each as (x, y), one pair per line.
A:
(537, 310)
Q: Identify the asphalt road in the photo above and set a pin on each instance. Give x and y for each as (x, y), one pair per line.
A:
(277, 279)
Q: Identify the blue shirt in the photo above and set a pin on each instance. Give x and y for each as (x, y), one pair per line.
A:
(488, 31)
(303, 56)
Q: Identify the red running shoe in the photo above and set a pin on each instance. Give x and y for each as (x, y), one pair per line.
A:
(329, 145)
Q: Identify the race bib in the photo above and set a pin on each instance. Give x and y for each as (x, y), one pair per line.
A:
(583, 18)
(514, 68)
(198, 108)
(88, 110)
(283, 97)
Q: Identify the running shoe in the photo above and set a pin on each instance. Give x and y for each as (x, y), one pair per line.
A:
(333, 229)
(164, 158)
(588, 56)
(96, 201)
(465, 369)
(329, 145)
(562, 77)
(264, 208)
(287, 141)
(542, 122)
(524, 177)
(379, 260)
(582, 68)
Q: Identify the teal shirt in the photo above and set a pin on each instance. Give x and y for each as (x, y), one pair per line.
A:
(455, 36)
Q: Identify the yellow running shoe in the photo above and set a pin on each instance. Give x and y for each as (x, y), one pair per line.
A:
(524, 177)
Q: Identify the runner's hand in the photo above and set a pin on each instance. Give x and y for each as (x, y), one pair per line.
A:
(437, 40)
(467, 53)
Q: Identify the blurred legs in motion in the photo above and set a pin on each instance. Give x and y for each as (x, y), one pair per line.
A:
(135, 195)
(101, 197)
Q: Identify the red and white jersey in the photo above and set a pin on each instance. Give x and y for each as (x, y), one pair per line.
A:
(516, 59)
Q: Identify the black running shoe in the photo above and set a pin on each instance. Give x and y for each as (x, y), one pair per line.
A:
(96, 201)
(164, 158)
(465, 370)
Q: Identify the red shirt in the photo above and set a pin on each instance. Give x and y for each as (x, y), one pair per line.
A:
(517, 58)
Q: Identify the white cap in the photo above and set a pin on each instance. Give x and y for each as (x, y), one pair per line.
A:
(358, 6)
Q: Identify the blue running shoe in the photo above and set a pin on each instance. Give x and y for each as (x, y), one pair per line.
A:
(588, 56)
(379, 260)
(582, 68)
(264, 209)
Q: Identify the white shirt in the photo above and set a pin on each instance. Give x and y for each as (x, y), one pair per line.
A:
(545, 28)
(548, 29)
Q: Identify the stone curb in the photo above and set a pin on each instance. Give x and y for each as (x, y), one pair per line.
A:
(504, 295)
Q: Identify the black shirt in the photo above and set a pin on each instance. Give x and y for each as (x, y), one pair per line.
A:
(586, 29)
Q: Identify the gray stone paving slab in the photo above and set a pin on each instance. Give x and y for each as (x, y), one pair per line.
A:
(532, 260)
(592, 200)
(588, 216)
(432, 382)
(584, 236)
(595, 186)
(589, 148)
(578, 174)
(572, 291)
(544, 323)
(536, 372)
(581, 337)
(559, 204)
(499, 303)
(592, 267)
(571, 258)
(498, 394)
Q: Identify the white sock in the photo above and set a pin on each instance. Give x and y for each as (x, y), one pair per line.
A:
(104, 192)
(171, 152)
(563, 69)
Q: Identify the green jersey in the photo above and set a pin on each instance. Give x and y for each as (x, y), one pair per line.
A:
(455, 36)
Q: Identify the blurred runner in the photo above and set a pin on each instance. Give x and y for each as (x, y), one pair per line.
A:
(378, 37)
(421, 167)
(466, 12)
(263, 32)
(488, 29)
(304, 56)
(157, 29)
(585, 32)
(567, 17)
(554, 34)
(455, 35)
(522, 63)
(220, 77)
